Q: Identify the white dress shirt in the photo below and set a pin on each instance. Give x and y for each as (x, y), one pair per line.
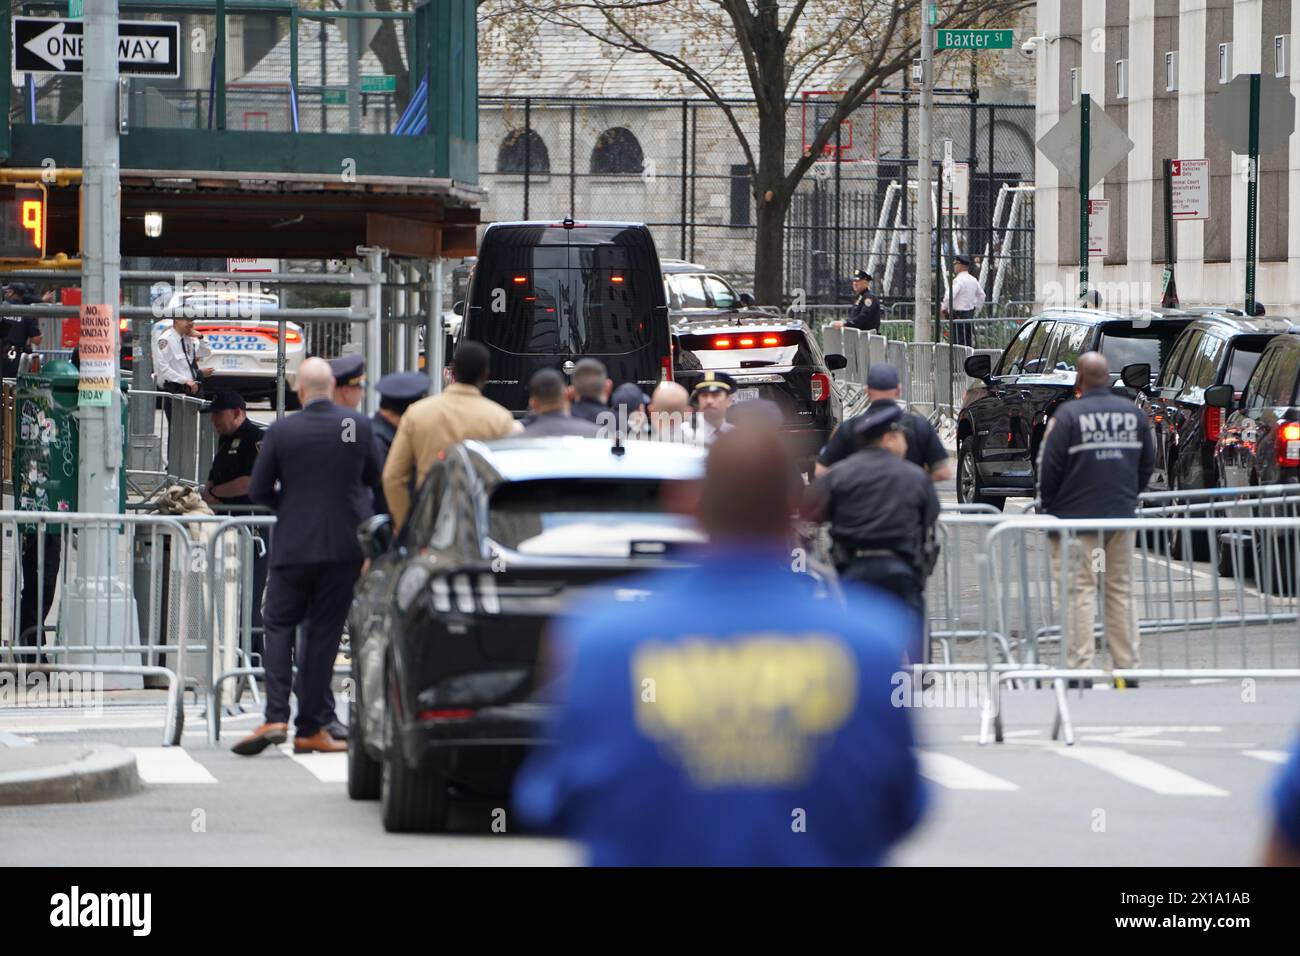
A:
(967, 293)
(704, 434)
(175, 358)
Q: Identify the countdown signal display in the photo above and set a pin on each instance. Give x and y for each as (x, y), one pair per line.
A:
(22, 221)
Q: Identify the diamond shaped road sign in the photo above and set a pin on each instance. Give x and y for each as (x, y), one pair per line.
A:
(1108, 145)
(1230, 113)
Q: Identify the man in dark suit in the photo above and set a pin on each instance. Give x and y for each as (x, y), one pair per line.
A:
(549, 403)
(318, 471)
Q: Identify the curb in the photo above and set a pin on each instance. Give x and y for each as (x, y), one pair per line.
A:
(92, 772)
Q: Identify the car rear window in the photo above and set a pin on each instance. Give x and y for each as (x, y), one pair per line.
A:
(1246, 351)
(586, 517)
(726, 349)
(1123, 346)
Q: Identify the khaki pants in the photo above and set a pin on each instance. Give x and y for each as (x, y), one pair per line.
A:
(1111, 561)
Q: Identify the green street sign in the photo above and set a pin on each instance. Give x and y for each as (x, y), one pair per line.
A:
(332, 96)
(384, 83)
(75, 8)
(973, 39)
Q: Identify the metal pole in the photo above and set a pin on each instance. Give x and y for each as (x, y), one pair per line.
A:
(1169, 295)
(528, 149)
(922, 318)
(280, 359)
(354, 68)
(1085, 144)
(374, 316)
(1252, 194)
(435, 360)
(101, 440)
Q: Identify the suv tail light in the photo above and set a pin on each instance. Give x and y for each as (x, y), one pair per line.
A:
(1288, 445)
(666, 368)
(1212, 419)
(821, 386)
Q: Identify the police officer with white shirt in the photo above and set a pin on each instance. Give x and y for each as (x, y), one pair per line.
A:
(967, 299)
(712, 396)
(178, 354)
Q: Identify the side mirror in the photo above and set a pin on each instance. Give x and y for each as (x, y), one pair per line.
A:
(1220, 396)
(978, 366)
(375, 535)
(459, 307)
(835, 361)
(746, 299)
(1137, 375)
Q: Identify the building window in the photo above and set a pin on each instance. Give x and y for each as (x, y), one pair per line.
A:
(1171, 72)
(1121, 79)
(740, 194)
(1281, 50)
(617, 152)
(523, 149)
(1225, 62)
(1074, 86)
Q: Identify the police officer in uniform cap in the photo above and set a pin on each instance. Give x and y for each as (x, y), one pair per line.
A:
(864, 314)
(397, 392)
(349, 379)
(226, 490)
(882, 510)
(712, 396)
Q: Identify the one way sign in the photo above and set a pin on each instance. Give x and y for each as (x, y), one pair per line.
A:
(50, 45)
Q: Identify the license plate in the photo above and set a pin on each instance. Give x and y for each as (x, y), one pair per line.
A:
(232, 361)
(746, 394)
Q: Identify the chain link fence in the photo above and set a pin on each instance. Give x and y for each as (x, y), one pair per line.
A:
(677, 166)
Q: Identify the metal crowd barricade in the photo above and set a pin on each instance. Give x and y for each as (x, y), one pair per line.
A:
(833, 340)
(180, 448)
(896, 355)
(853, 371)
(1190, 620)
(116, 585)
(921, 384)
(875, 348)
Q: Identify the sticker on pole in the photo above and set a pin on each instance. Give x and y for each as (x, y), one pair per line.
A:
(98, 356)
(955, 182)
(1099, 227)
(1191, 188)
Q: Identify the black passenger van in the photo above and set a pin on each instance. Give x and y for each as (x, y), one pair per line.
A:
(546, 294)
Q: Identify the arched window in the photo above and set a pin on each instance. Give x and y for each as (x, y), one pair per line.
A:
(617, 151)
(522, 148)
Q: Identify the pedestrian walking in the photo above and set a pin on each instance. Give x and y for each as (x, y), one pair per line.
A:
(924, 447)
(397, 391)
(864, 313)
(967, 299)
(1096, 458)
(728, 717)
(317, 470)
(591, 388)
(548, 401)
(432, 425)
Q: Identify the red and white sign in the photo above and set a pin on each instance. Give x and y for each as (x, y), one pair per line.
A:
(1191, 188)
(96, 345)
(1099, 227)
(253, 265)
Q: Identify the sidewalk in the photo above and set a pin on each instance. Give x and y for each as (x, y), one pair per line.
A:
(63, 773)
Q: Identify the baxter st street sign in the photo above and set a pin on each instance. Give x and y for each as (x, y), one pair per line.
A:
(50, 45)
(973, 39)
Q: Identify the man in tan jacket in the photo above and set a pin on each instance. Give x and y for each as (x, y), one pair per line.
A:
(433, 424)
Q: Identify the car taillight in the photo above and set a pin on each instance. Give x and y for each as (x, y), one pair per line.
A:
(291, 336)
(1213, 422)
(1288, 445)
(821, 386)
(458, 713)
(666, 368)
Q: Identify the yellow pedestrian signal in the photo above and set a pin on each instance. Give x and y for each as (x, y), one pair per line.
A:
(22, 221)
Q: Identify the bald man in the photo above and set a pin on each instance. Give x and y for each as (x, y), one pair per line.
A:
(715, 784)
(318, 470)
(671, 413)
(1096, 458)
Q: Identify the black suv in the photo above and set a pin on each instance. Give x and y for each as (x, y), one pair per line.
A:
(1217, 349)
(545, 294)
(1005, 414)
(774, 358)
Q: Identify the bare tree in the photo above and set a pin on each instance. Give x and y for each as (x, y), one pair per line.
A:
(782, 45)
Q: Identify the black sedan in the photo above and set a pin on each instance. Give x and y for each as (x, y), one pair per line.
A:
(447, 623)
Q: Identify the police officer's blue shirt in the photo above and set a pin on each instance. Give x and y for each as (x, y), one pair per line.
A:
(723, 716)
(1286, 801)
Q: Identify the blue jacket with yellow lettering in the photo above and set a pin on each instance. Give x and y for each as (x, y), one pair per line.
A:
(729, 718)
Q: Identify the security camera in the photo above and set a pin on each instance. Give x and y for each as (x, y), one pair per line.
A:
(1028, 47)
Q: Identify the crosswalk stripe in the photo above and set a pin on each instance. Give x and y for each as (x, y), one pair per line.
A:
(327, 768)
(1268, 756)
(1142, 772)
(958, 775)
(164, 765)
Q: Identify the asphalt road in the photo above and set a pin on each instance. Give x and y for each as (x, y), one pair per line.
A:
(1170, 774)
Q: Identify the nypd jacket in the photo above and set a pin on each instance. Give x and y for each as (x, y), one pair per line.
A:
(864, 314)
(1096, 458)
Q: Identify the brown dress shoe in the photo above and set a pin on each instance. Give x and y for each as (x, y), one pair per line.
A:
(319, 742)
(261, 738)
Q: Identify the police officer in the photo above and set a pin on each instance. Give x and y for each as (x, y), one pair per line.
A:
(226, 490)
(397, 392)
(967, 299)
(882, 510)
(712, 396)
(1096, 458)
(924, 447)
(864, 314)
(20, 332)
(740, 646)
(349, 379)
